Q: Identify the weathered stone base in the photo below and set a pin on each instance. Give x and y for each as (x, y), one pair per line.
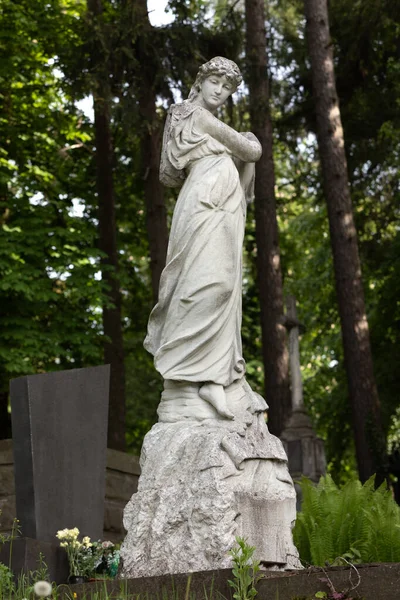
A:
(203, 483)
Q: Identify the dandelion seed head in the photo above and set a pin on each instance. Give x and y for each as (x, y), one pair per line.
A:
(42, 589)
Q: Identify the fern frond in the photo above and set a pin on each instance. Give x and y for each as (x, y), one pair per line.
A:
(354, 520)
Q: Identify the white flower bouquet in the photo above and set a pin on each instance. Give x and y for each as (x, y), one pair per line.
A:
(83, 556)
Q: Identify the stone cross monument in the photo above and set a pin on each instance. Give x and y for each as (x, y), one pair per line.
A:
(304, 449)
(294, 355)
(210, 468)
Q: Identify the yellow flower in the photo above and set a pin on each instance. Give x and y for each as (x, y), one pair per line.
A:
(86, 542)
(75, 595)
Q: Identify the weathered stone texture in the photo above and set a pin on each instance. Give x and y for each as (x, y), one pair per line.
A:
(6, 453)
(122, 475)
(122, 462)
(118, 485)
(113, 517)
(7, 485)
(8, 513)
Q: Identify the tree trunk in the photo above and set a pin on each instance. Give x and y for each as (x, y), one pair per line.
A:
(156, 212)
(5, 417)
(275, 353)
(369, 439)
(5, 420)
(112, 318)
(150, 137)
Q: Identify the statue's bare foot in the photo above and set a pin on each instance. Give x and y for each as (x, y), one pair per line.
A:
(215, 395)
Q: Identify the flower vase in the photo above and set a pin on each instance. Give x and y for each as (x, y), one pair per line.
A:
(75, 579)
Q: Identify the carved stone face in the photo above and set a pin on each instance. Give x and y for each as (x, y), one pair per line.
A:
(214, 91)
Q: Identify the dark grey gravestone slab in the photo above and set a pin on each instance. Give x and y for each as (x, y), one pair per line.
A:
(59, 425)
(25, 558)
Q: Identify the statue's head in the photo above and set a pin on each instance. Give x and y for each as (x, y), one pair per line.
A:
(219, 66)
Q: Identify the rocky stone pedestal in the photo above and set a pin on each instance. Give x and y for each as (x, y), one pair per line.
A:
(206, 480)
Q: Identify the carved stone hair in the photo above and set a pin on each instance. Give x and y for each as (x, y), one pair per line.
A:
(169, 175)
(216, 66)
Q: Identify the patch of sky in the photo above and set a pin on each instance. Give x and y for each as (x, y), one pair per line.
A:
(159, 13)
(37, 199)
(77, 209)
(86, 106)
(56, 71)
(307, 142)
(61, 275)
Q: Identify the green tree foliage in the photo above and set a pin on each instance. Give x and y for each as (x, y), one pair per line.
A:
(355, 521)
(48, 260)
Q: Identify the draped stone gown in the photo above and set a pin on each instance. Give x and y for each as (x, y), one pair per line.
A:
(194, 330)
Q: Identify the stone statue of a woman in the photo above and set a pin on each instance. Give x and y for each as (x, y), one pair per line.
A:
(210, 468)
(194, 331)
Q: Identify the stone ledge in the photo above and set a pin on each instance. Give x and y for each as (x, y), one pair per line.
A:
(378, 582)
(120, 486)
(7, 484)
(121, 461)
(113, 512)
(6, 452)
(8, 511)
